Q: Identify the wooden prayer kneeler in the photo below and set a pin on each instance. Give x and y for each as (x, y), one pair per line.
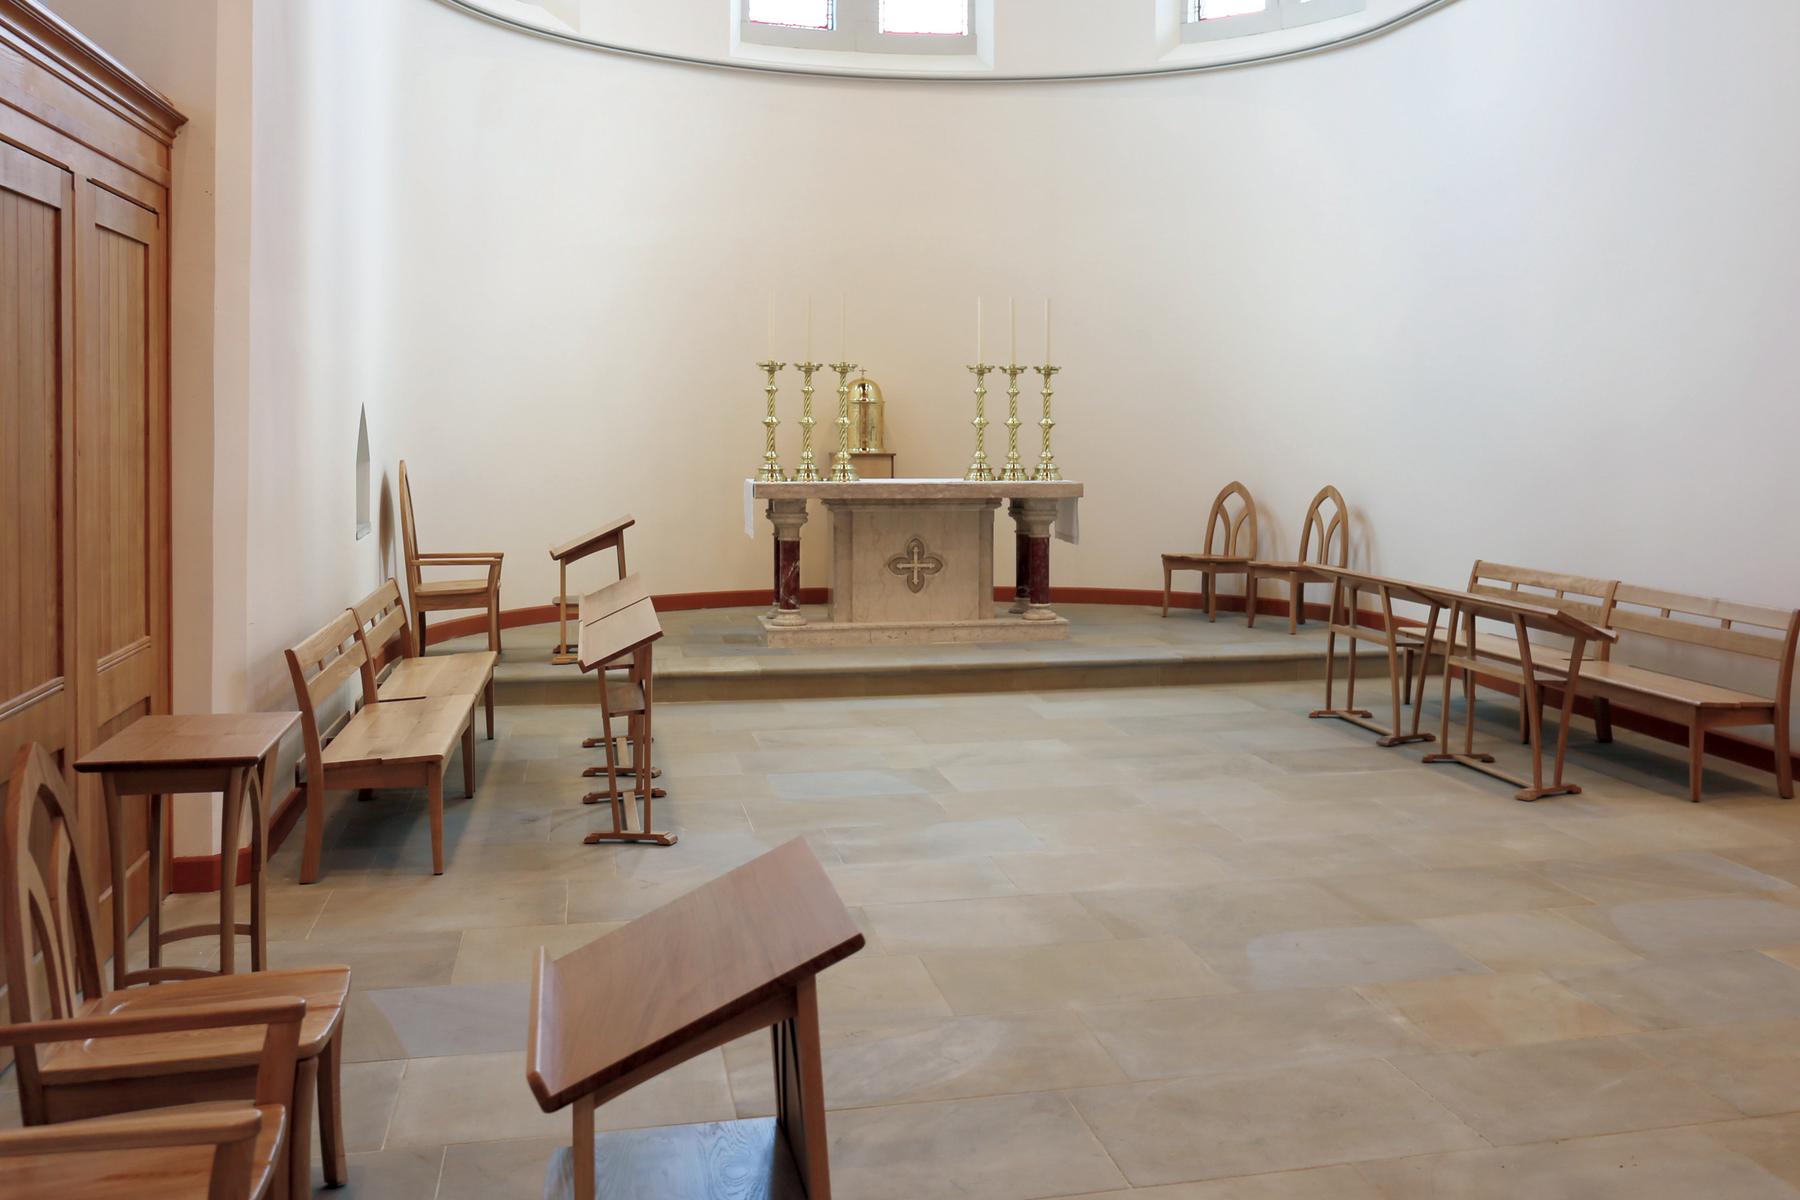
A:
(608, 536)
(1346, 593)
(1536, 668)
(617, 622)
(739, 954)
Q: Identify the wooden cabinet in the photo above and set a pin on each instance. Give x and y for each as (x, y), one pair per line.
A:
(84, 404)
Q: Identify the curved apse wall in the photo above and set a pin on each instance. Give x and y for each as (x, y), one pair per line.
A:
(1515, 277)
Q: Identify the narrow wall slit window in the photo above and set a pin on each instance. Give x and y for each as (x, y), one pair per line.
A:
(1209, 20)
(364, 525)
(868, 26)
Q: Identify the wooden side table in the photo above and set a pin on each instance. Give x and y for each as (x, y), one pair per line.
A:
(159, 756)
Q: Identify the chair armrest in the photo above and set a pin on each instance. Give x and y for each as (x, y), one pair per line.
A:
(462, 560)
(134, 1131)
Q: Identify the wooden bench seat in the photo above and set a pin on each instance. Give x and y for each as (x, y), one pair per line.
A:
(1604, 677)
(174, 1153)
(388, 641)
(384, 744)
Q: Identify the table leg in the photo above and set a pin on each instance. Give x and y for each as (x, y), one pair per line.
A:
(262, 787)
(787, 516)
(582, 1149)
(815, 1162)
(115, 840)
(230, 826)
(154, 916)
(1036, 517)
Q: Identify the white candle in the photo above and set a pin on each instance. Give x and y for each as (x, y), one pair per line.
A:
(1012, 320)
(809, 329)
(1047, 360)
(844, 328)
(770, 357)
(978, 329)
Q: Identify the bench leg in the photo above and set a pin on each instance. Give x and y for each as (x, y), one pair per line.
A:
(315, 828)
(1250, 598)
(1602, 720)
(331, 1110)
(1209, 589)
(434, 785)
(1295, 595)
(494, 622)
(487, 700)
(1696, 758)
(1784, 758)
(1168, 582)
(419, 636)
(469, 758)
(300, 1127)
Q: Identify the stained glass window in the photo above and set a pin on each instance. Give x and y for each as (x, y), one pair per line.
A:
(796, 14)
(925, 16)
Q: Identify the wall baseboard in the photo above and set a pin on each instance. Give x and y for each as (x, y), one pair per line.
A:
(200, 872)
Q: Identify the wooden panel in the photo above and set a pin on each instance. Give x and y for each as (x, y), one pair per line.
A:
(121, 505)
(36, 629)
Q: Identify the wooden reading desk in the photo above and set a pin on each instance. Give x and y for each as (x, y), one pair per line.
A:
(1346, 594)
(1534, 668)
(619, 621)
(608, 536)
(737, 955)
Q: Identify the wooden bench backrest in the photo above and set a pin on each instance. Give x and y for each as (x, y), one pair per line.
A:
(1578, 595)
(1766, 633)
(321, 665)
(1328, 520)
(381, 618)
(1238, 532)
(409, 533)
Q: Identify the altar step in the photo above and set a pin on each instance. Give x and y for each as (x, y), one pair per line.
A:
(718, 654)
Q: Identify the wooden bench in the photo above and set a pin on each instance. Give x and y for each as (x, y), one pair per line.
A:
(1229, 546)
(1697, 621)
(733, 957)
(388, 638)
(383, 744)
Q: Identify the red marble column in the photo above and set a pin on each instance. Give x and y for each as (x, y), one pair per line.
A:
(787, 516)
(1036, 518)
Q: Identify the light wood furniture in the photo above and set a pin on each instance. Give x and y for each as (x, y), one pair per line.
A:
(1578, 595)
(50, 938)
(1703, 624)
(739, 954)
(441, 595)
(619, 622)
(873, 464)
(1530, 673)
(610, 536)
(388, 641)
(1229, 546)
(1325, 535)
(383, 744)
(217, 1151)
(1345, 621)
(158, 756)
(912, 560)
(85, 151)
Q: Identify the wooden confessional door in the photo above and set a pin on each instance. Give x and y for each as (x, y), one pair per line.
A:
(37, 384)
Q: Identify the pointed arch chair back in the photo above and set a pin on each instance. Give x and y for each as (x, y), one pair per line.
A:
(1325, 533)
(409, 534)
(46, 902)
(1231, 530)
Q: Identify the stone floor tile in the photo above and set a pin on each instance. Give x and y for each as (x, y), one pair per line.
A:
(1406, 896)
(1703, 925)
(1357, 954)
(977, 924)
(1029, 978)
(1483, 1012)
(1522, 941)
(508, 954)
(1672, 993)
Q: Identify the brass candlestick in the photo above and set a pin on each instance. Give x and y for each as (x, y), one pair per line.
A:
(807, 471)
(1046, 469)
(979, 471)
(1014, 471)
(770, 472)
(842, 469)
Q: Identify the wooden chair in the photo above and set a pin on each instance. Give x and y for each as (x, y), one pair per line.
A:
(1326, 525)
(383, 744)
(1707, 624)
(445, 595)
(1230, 545)
(217, 1151)
(388, 640)
(47, 936)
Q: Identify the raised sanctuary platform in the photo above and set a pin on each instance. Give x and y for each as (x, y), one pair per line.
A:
(718, 654)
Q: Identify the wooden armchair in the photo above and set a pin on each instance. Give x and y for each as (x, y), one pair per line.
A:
(1327, 517)
(1229, 547)
(49, 948)
(446, 595)
(222, 1151)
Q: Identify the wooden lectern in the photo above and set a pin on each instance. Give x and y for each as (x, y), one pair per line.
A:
(608, 536)
(740, 954)
(1346, 596)
(1535, 668)
(618, 622)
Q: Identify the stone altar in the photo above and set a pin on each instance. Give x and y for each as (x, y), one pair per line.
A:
(912, 560)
